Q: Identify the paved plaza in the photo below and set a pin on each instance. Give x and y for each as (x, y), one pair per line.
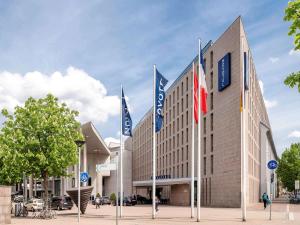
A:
(139, 215)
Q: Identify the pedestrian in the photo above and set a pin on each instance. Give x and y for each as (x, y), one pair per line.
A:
(156, 203)
(97, 201)
(265, 199)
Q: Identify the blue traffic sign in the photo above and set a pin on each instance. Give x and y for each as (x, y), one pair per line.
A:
(272, 164)
(84, 176)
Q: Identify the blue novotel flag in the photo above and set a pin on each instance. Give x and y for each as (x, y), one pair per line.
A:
(126, 118)
(159, 99)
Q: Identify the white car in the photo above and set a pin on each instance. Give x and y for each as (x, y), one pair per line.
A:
(34, 204)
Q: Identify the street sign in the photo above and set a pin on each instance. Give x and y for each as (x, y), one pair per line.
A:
(84, 177)
(297, 185)
(106, 167)
(272, 164)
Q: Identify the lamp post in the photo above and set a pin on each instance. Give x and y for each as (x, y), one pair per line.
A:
(79, 144)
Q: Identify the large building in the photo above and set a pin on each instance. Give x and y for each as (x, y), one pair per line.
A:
(227, 61)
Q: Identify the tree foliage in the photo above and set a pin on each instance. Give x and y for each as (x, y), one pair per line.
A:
(292, 14)
(289, 166)
(38, 139)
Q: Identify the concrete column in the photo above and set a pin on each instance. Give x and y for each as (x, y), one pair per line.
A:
(62, 186)
(30, 187)
(99, 183)
(53, 187)
(84, 162)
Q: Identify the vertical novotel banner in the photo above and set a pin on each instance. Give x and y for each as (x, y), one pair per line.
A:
(246, 73)
(159, 99)
(126, 118)
(224, 72)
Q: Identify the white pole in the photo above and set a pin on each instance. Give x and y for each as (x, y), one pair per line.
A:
(154, 147)
(121, 158)
(117, 190)
(243, 142)
(78, 184)
(199, 141)
(193, 149)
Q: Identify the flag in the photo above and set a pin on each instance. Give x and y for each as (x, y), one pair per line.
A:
(126, 118)
(195, 95)
(203, 87)
(159, 99)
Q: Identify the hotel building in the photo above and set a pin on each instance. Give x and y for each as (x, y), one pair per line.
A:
(221, 132)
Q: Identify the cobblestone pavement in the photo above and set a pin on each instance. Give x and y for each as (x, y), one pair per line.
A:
(139, 215)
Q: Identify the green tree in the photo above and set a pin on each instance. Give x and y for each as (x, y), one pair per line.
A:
(292, 14)
(289, 167)
(38, 139)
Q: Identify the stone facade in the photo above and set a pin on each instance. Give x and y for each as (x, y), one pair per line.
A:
(5, 204)
(221, 131)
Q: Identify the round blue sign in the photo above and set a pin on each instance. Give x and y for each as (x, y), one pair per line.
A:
(272, 164)
(84, 176)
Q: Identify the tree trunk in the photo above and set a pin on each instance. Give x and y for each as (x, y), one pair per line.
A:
(45, 181)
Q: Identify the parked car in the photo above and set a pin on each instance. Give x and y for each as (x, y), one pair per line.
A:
(34, 204)
(295, 199)
(18, 198)
(105, 200)
(143, 200)
(127, 201)
(61, 202)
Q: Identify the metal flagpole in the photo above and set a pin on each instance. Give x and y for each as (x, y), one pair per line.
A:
(121, 158)
(193, 148)
(79, 184)
(154, 147)
(243, 143)
(199, 140)
(117, 191)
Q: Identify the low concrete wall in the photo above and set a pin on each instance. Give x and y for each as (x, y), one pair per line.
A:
(5, 204)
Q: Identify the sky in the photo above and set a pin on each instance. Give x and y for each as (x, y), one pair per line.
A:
(82, 51)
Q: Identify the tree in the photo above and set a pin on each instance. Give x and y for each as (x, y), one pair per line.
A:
(38, 139)
(289, 167)
(292, 14)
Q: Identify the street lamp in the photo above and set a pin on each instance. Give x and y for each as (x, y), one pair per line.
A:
(79, 144)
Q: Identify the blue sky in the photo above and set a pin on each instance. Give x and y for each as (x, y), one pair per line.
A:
(112, 42)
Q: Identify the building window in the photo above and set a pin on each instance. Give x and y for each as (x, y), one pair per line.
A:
(182, 121)
(204, 125)
(177, 155)
(173, 97)
(212, 164)
(181, 170)
(187, 100)
(182, 105)
(177, 124)
(211, 80)
(204, 166)
(182, 88)
(73, 182)
(211, 59)
(211, 101)
(182, 135)
(187, 117)
(187, 152)
(204, 65)
(211, 121)
(173, 112)
(187, 169)
(187, 83)
(211, 142)
(177, 92)
(204, 145)
(177, 140)
(187, 134)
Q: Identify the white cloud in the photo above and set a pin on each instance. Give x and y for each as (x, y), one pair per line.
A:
(269, 103)
(273, 59)
(292, 52)
(109, 140)
(295, 134)
(76, 88)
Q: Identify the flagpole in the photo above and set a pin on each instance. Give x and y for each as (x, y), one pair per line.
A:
(154, 147)
(193, 147)
(243, 142)
(121, 157)
(199, 141)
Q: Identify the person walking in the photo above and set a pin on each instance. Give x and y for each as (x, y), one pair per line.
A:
(97, 201)
(156, 203)
(265, 199)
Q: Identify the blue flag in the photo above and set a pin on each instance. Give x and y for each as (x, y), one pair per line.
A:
(159, 99)
(126, 118)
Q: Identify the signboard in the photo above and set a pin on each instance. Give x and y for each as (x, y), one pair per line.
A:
(106, 167)
(84, 177)
(224, 72)
(272, 164)
(161, 177)
(297, 184)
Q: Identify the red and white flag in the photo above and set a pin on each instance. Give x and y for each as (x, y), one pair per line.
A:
(203, 87)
